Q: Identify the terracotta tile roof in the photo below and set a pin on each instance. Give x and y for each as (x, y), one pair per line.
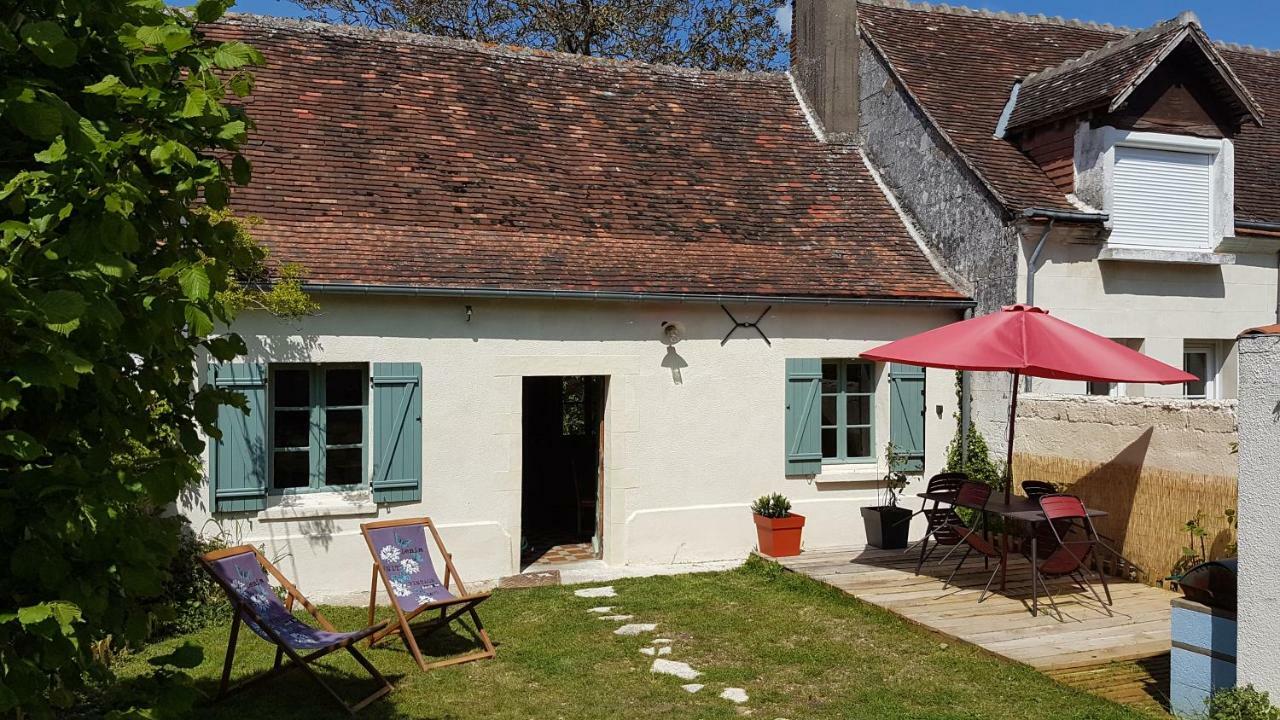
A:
(961, 64)
(387, 158)
(1093, 79)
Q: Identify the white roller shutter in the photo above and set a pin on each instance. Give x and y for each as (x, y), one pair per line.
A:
(1161, 199)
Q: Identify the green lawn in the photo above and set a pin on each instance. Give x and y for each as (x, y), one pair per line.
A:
(800, 649)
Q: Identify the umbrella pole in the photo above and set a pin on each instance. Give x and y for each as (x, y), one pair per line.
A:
(1013, 420)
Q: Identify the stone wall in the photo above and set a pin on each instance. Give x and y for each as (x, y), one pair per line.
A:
(1152, 463)
(958, 218)
(1258, 632)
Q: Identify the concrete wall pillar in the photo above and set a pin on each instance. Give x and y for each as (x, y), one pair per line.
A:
(1259, 417)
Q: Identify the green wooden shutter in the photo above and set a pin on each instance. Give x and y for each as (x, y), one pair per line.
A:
(906, 415)
(397, 432)
(803, 418)
(238, 460)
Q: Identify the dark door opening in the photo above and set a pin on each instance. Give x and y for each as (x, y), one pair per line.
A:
(560, 502)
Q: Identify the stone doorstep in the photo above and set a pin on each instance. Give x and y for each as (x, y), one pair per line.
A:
(528, 580)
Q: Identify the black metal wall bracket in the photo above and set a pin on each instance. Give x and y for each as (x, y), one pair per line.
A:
(753, 325)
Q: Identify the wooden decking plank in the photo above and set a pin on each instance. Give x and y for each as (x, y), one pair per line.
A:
(1081, 649)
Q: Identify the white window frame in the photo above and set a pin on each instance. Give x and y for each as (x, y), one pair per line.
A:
(1168, 143)
(1212, 369)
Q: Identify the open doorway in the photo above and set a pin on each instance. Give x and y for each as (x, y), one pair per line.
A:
(560, 510)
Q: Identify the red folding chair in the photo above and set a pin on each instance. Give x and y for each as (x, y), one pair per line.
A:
(1064, 514)
(972, 495)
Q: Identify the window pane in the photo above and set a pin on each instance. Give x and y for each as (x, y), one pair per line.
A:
(344, 386)
(1197, 364)
(828, 410)
(291, 428)
(859, 377)
(342, 467)
(830, 371)
(859, 411)
(292, 470)
(293, 388)
(859, 442)
(345, 427)
(829, 443)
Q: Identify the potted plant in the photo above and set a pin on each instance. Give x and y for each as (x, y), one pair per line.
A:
(887, 524)
(777, 528)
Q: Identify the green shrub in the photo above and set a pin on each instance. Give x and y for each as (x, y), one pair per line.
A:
(772, 506)
(1242, 703)
(191, 600)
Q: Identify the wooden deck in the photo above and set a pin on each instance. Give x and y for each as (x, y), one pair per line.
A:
(1117, 652)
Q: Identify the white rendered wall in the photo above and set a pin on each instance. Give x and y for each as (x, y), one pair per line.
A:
(1258, 632)
(683, 460)
(1163, 304)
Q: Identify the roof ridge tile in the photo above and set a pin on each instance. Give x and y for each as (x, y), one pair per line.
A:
(1040, 19)
(1118, 45)
(407, 37)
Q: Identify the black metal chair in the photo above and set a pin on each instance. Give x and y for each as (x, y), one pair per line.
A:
(942, 518)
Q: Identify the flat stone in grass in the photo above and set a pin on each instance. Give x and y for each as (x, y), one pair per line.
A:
(616, 618)
(692, 687)
(674, 667)
(601, 609)
(603, 591)
(737, 695)
(661, 641)
(636, 628)
(651, 651)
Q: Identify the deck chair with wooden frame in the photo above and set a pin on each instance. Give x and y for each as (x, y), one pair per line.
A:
(242, 573)
(402, 559)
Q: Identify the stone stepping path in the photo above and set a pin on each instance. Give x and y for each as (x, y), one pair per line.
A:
(636, 628)
(737, 695)
(658, 647)
(674, 667)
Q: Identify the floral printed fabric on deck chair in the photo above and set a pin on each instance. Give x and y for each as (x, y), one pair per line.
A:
(242, 574)
(402, 560)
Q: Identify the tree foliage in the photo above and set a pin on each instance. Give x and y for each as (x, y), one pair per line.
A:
(114, 133)
(709, 34)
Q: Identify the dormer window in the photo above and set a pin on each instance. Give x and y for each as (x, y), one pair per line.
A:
(1162, 193)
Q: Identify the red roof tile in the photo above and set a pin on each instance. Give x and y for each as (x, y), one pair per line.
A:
(960, 65)
(395, 159)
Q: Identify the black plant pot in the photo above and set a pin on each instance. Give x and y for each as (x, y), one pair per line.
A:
(887, 526)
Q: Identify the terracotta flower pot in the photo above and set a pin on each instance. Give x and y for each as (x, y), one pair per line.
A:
(779, 537)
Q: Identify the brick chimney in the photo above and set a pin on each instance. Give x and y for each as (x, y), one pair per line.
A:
(824, 64)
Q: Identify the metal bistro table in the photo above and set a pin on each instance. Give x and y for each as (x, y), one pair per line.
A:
(1017, 509)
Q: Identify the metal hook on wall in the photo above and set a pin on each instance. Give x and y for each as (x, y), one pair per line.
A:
(753, 325)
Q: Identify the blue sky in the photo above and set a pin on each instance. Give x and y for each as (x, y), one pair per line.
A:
(1252, 22)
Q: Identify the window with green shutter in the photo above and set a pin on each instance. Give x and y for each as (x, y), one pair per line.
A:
(318, 427)
(848, 411)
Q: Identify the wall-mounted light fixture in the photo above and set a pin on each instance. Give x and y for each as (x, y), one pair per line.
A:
(672, 332)
(468, 313)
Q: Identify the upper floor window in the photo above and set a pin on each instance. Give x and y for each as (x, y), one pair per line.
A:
(1162, 194)
(317, 426)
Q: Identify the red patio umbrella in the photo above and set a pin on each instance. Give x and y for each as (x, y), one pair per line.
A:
(1025, 340)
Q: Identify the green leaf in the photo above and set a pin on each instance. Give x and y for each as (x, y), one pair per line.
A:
(241, 171)
(35, 119)
(234, 130)
(18, 444)
(55, 152)
(231, 55)
(198, 323)
(185, 656)
(45, 40)
(33, 614)
(195, 103)
(215, 193)
(61, 306)
(109, 85)
(194, 282)
(210, 10)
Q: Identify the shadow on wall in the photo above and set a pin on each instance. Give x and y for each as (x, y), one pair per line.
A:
(1149, 507)
(1201, 281)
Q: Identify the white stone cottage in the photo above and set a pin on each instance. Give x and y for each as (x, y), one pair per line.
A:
(566, 303)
